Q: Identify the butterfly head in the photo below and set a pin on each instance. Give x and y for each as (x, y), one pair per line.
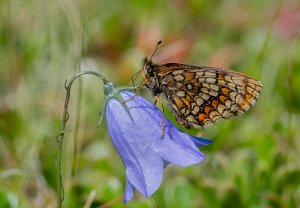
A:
(148, 66)
(149, 74)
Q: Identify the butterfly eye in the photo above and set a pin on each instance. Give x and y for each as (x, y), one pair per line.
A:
(148, 67)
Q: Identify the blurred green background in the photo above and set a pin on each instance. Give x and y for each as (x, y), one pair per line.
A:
(254, 160)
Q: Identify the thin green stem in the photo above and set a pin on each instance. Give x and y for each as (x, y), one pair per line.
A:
(76, 131)
(290, 86)
(60, 136)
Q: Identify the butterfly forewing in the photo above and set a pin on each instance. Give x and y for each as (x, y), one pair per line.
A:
(203, 95)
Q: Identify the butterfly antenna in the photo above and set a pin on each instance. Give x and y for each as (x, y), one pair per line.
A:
(158, 43)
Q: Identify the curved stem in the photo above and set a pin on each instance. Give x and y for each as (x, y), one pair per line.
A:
(60, 136)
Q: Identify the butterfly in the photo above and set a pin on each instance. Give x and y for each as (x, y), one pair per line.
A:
(200, 95)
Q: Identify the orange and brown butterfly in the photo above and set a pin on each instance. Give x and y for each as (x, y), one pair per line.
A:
(200, 95)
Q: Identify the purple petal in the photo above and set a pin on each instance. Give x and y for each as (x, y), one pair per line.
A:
(178, 148)
(144, 168)
(199, 142)
(137, 137)
(129, 191)
(147, 181)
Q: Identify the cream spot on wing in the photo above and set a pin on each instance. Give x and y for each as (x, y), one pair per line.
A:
(239, 99)
(183, 110)
(228, 79)
(210, 74)
(233, 95)
(180, 93)
(221, 108)
(175, 107)
(228, 104)
(201, 80)
(205, 85)
(199, 101)
(210, 80)
(226, 113)
(214, 115)
(231, 86)
(205, 96)
(179, 78)
(192, 119)
(176, 72)
(199, 74)
(214, 87)
(213, 93)
(205, 90)
(195, 110)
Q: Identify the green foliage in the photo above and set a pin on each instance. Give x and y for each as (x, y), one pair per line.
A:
(253, 161)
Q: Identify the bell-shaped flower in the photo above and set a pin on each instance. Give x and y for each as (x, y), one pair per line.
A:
(135, 128)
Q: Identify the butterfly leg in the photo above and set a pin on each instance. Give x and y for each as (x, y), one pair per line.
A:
(134, 77)
(136, 93)
(163, 117)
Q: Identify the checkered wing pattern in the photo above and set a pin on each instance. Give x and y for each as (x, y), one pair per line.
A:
(204, 95)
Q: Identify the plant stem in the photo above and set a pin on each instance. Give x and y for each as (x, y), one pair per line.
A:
(60, 136)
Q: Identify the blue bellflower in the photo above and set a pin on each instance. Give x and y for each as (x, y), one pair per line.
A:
(135, 129)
